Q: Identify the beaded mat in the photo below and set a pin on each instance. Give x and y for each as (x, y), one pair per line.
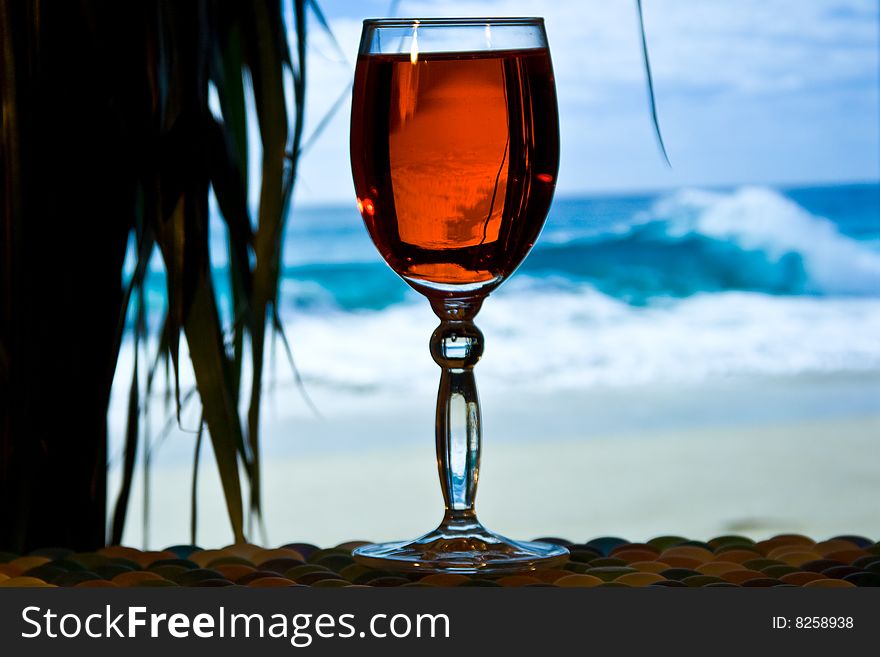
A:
(673, 561)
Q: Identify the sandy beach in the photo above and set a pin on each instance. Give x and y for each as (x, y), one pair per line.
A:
(753, 457)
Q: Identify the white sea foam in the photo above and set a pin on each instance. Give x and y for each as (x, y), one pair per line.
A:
(553, 340)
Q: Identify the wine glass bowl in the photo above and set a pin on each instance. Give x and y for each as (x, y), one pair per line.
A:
(454, 153)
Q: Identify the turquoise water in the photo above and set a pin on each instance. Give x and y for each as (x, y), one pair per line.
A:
(818, 241)
(821, 241)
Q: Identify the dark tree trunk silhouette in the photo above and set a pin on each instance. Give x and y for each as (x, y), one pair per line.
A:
(69, 82)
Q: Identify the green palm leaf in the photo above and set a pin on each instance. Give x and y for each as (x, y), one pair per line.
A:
(655, 122)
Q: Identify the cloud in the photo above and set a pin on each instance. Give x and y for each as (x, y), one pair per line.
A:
(803, 75)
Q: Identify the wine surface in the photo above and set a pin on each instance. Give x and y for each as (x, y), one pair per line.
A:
(454, 158)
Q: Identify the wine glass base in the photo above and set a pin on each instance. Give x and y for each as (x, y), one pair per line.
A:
(466, 551)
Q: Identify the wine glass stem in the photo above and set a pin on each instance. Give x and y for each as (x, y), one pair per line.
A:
(458, 441)
(456, 346)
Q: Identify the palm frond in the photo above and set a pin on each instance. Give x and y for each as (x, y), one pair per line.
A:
(325, 26)
(194, 503)
(650, 82)
(234, 48)
(131, 445)
(297, 377)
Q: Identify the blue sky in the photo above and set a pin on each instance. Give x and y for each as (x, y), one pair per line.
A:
(748, 91)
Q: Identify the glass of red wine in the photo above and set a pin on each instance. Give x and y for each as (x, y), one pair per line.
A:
(454, 154)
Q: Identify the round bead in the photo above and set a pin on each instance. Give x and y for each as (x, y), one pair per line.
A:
(578, 581)
(443, 579)
(605, 544)
(270, 582)
(828, 584)
(24, 583)
(801, 577)
(718, 568)
(518, 580)
(639, 579)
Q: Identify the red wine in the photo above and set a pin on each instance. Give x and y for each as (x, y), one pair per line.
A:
(454, 158)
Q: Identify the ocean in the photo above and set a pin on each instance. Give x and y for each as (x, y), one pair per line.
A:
(618, 290)
(677, 286)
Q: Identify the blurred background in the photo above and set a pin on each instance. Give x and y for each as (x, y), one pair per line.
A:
(687, 350)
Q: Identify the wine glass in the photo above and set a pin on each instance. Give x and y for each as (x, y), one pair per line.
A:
(454, 154)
